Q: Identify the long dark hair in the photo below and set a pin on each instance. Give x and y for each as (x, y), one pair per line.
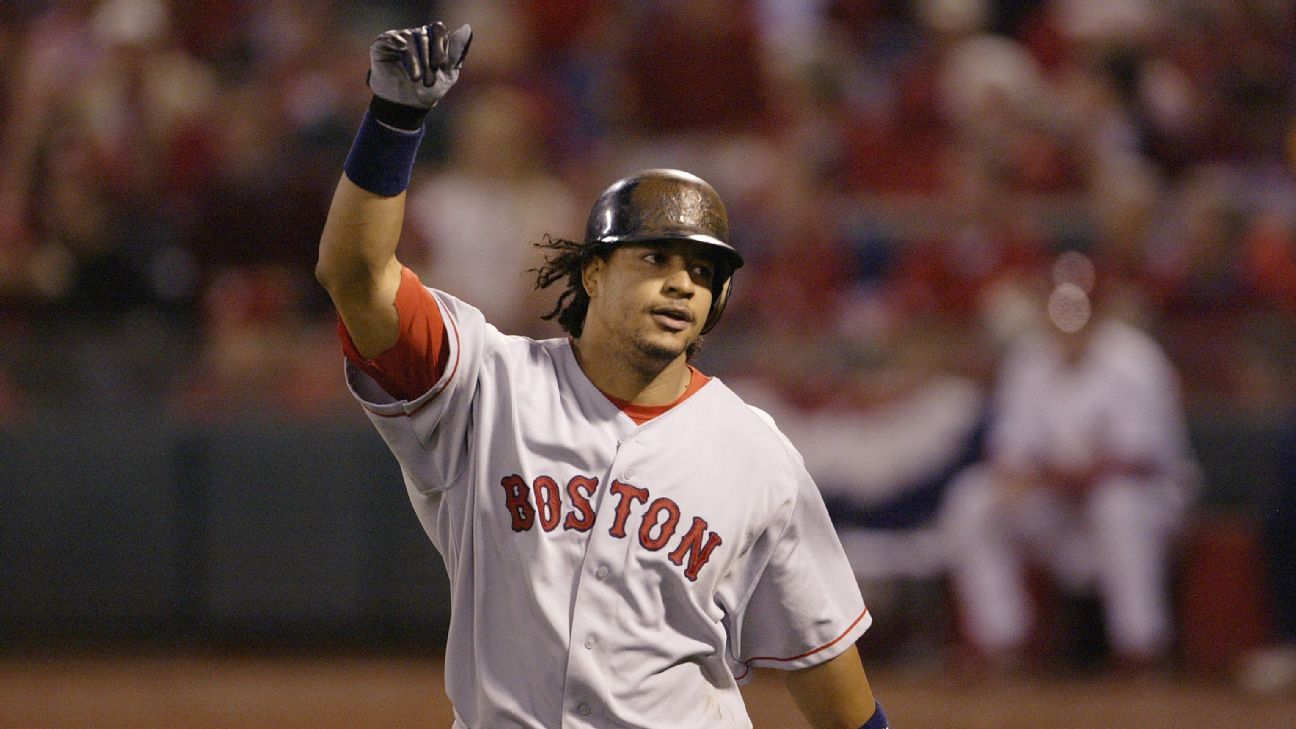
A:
(566, 259)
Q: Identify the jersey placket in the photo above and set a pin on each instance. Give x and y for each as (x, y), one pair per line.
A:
(587, 688)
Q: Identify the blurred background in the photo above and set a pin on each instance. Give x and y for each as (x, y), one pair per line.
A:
(911, 183)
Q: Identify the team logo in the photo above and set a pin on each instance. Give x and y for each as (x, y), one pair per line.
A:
(658, 522)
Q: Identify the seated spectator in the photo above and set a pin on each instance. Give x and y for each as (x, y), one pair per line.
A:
(1088, 475)
(494, 197)
(261, 351)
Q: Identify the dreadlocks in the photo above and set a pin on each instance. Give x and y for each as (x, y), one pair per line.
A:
(565, 259)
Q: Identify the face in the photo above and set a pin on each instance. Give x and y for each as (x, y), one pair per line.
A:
(654, 296)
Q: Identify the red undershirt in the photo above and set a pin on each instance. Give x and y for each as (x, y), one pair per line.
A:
(415, 363)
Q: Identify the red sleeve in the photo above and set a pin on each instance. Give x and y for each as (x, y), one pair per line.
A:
(412, 365)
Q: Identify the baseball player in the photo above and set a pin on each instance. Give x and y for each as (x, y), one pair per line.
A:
(625, 538)
(1089, 476)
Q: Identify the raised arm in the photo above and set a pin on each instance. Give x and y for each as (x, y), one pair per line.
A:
(836, 694)
(410, 70)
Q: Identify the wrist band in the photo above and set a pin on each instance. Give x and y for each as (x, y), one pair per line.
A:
(878, 720)
(381, 159)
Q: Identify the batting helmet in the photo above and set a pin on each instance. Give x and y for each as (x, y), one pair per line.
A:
(661, 205)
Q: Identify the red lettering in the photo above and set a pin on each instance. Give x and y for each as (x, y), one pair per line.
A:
(580, 503)
(654, 512)
(659, 525)
(627, 493)
(519, 507)
(548, 502)
(692, 546)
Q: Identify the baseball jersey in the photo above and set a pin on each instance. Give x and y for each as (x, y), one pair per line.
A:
(1118, 404)
(606, 573)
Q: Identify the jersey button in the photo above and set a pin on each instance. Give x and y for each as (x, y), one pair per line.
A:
(590, 642)
(601, 573)
(583, 710)
(629, 473)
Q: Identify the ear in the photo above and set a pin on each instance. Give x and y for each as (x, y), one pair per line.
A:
(591, 273)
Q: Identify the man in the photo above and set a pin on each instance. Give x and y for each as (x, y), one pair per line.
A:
(1088, 477)
(625, 538)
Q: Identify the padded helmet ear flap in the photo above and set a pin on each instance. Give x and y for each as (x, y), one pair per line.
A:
(720, 297)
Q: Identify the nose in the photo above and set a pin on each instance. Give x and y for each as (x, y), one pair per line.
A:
(680, 281)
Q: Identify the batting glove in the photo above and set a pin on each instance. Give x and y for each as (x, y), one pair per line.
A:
(417, 66)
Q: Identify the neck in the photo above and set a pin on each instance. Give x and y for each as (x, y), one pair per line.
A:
(641, 383)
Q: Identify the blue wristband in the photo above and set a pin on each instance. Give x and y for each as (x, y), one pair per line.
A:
(878, 720)
(381, 159)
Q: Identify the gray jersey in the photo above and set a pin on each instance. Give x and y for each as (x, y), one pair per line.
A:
(604, 573)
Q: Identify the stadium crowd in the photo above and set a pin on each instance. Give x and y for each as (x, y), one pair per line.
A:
(901, 177)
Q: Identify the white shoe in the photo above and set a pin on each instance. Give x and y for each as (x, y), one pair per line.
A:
(1268, 670)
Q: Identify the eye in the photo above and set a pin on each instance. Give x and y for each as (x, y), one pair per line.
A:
(656, 258)
(703, 273)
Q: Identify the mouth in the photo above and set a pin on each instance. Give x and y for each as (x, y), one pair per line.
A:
(673, 318)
